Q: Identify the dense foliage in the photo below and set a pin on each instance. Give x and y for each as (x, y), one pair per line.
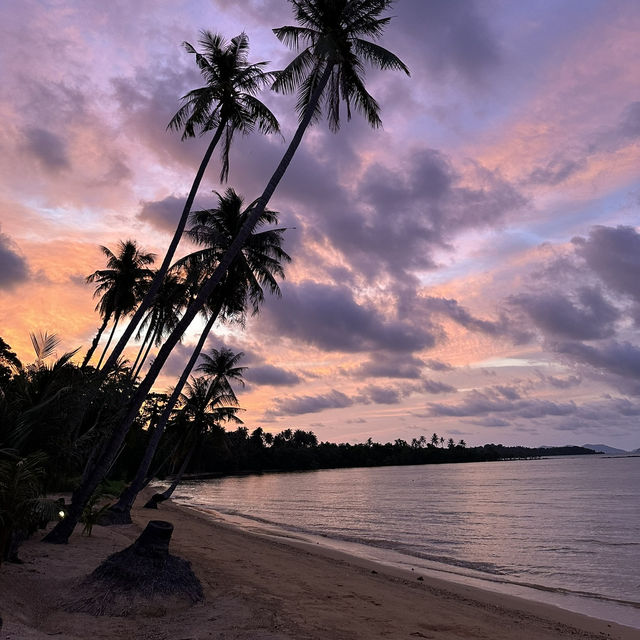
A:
(297, 450)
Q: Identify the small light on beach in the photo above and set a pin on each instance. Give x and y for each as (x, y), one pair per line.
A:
(61, 514)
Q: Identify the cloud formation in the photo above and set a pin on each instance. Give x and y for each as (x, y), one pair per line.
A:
(328, 317)
(13, 267)
(481, 249)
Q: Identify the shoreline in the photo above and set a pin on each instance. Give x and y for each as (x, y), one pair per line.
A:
(409, 567)
(261, 587)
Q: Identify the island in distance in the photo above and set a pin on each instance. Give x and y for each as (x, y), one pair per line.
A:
(604, 448)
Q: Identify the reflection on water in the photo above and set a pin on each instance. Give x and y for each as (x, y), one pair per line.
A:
(567, 524)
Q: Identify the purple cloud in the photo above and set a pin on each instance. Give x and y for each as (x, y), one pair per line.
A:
(452, 309)
(448, 37)
(613, 254)
(438, 365)
(297, 405)
(383, 395)
(162, 214)
(328, 317)
(49, 148)
(13, 267)
(433, 386)
(590, 316)
(271, 375)
(391, 366)
(619, 358)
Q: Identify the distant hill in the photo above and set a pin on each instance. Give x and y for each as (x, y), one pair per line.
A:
(603, 448)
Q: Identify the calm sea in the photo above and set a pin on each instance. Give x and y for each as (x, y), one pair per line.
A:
(560, 530)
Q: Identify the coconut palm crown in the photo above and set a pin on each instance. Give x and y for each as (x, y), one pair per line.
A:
(258, 264)
(331, 36)
(227, 100)
(121, 285)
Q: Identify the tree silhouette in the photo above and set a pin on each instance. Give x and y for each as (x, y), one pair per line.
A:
(121, 286)
(162, 317)
(206, 403)
(226, 104)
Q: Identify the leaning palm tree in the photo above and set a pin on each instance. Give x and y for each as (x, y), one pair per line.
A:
(226, 104)
(162, 317)
(121, 286)
(328, 70)
(206, 404)
(333, 32)
(255, 268)
(209, 400)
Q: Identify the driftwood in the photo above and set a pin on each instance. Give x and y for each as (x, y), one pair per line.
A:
(144, 576)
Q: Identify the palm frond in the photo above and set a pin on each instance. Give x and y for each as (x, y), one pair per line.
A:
(378, 56)
(44, 344)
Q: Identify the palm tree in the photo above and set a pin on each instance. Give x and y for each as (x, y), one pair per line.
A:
(255, 267)
(334, 32)
(120, 287)
(220, 368)
(226, 104)
(206, 403)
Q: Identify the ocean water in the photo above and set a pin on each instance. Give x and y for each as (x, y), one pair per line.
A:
(559, 530)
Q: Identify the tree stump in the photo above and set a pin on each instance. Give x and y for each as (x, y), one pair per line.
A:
(143, 575)
(153, 542)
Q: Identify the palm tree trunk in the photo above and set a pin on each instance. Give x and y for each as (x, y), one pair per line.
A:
(164, 267)
(106, 346)
(147, 335)
(96, 340)
(154, 473)
(62, 531)
(183, 467)
(146, 353)
(122, 508)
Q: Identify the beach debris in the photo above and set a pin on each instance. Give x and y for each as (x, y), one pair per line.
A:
(144, 577)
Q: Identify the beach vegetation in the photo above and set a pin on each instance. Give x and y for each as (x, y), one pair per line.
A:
(92, 512)
(244, 452)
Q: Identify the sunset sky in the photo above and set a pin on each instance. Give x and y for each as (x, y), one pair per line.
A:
(472, 269)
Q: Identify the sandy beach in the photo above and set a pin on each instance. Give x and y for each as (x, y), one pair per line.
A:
(260, 588)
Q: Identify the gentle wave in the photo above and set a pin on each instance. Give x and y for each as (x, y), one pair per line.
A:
(555, 526)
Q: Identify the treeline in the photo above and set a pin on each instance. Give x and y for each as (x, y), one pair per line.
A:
(241, 451)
